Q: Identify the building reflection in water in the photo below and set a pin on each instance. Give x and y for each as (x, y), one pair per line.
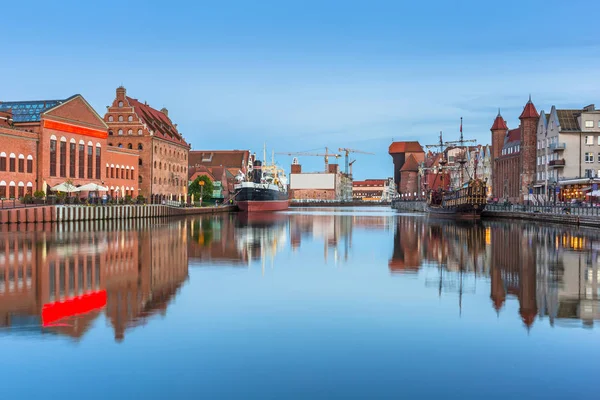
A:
(551, 271)
(62, 278)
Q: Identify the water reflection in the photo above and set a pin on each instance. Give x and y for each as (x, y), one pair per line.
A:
(60, 279)
(552, 271)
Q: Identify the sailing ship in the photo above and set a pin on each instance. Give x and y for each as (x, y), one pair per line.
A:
(261, 186)
(468, 199)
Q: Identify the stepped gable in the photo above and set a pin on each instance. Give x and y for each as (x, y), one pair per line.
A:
(157, 121)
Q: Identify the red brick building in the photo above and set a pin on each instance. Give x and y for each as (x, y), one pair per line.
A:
(163, 153)
(52, 141)
(17, 165)
(514, 156)
(406, 176)
(206, 160)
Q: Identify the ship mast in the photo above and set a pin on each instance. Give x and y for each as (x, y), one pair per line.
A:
(461, 144)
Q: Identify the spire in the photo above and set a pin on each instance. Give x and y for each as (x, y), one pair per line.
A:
(499, 123)
(529, 111)
(499, 115)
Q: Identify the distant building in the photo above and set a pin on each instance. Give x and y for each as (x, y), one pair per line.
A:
(232, 161)
(329, 185)
(374, 190)
(407, 157)
(514, 156)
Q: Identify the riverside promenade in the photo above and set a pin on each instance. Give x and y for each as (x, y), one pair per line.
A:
(559, 214)
(72, 213)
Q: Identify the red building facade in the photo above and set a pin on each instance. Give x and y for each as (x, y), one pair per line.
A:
(163, 153)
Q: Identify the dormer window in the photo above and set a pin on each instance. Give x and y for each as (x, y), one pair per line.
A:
(207, 157)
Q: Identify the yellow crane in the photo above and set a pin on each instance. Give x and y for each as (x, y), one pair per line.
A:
(326, 156)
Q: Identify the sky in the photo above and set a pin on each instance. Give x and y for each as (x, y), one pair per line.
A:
(305, 75)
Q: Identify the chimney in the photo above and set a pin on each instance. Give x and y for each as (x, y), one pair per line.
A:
(296, 169)
(121, 92)
(591, 107)
(165, 111)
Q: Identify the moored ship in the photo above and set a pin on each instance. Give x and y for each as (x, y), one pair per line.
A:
(468, 200)
(261, 188)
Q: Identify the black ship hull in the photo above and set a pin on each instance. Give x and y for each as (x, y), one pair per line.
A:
(464, 212)
(261, 199)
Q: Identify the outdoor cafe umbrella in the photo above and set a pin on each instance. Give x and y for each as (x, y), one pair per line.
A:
(92, 187)
(65, 187)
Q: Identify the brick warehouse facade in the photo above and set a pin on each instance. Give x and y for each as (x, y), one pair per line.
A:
(163, 153)
(514, 156)
(64, 140)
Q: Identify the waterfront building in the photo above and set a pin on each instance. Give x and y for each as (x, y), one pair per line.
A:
(514, 157)
(568, 153)
(51, 141)
(212, 161)
(329, 185)
(407, 157)
(163, 152)
(374, 189)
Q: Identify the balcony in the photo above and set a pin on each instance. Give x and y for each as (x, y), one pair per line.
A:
(557, 163)
(558, 146)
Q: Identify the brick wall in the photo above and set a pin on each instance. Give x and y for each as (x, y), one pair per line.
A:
(23, 146)
(121, 171)
(313, 194)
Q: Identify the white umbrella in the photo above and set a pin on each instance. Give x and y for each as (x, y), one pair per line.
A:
(65, 187)
(92, 187)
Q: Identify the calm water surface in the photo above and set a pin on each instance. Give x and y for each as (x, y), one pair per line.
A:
(325, 303)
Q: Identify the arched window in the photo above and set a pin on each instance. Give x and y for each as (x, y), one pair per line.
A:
(120, 145)
(53, 155)
(140, 147)
(140, 161)
(154, 164)
(129, 146)
(110, 133)
(155, 180)
(139, 180)
(159, 165)
(140, 132)
(110, 118)
(120, 104)
(120, 118)
(120, 131)
(130, 132)
(130, 118)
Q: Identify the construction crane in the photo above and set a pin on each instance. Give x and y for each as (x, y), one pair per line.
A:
(326, 156)
(348, 151)
(350, 165)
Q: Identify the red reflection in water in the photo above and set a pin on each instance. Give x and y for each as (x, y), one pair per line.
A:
(53, 312)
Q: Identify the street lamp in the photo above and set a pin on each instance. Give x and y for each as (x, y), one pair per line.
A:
(201, 191)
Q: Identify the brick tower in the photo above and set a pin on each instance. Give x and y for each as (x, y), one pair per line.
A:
(499, 129)
(529, 119)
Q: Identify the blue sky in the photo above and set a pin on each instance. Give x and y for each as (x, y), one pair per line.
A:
(302, 75)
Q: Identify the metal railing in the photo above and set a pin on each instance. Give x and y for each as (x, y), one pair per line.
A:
(564, 209)
(558, 146)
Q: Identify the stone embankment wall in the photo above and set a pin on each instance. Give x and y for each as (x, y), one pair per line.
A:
(416, 206)
(565, 219)
(87, 213)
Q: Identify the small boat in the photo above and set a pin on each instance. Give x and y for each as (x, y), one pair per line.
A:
(261, 187)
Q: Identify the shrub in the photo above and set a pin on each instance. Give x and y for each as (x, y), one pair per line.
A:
(39, 194)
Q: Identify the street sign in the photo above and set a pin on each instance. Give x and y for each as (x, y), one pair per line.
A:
(530, 190)
(595, 187)
(557, 189)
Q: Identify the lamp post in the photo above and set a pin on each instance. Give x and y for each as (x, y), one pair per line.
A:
(201, 183)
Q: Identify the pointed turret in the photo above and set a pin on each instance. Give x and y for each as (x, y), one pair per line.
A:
(529, 120)
(499, 129)
(499, 123)
(529, 111)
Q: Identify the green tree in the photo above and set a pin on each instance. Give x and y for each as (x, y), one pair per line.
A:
(195, 188)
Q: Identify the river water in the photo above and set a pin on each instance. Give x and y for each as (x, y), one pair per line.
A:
(313, 303)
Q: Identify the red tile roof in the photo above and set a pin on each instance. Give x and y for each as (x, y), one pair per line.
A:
(411, 164)
(369, 182)
(499, 123)
(219, 158)
(156, 121)
(514, 135)
(405, 147)
(529, 111)
(200, 170)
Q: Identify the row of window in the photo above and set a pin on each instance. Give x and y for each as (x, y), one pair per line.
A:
(551, 175)
(169, 167)
(541, 160)
(589, 157)
(541, 144)
(129, 146)
(75, 151)
(589, 140)
(120, 118)
(590, 124)
(164, 152)
(165, 181)
(15, 189)
(511, 150)
(13, 166)
(119, 172)
(140, 132)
